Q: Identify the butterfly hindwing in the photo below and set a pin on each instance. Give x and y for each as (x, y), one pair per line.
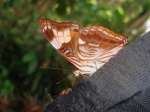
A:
(97, 45)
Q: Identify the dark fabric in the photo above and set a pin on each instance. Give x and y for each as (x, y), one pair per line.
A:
(140, 102)
(121, 85)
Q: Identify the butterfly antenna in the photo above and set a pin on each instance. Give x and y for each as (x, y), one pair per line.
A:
(55, 68)
(73, 82)
(61, 80)
(58, 69)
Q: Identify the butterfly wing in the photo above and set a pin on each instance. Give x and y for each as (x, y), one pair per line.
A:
(64, 37)
(88, 48)
(96, 46)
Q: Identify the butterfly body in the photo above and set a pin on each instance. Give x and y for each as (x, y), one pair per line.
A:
(88, 48)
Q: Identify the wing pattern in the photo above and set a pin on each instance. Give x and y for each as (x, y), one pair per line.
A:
(88, 48)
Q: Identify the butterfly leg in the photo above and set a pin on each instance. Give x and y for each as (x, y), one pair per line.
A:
(95, 64)
(50, 99)
(66, 91)
(73, 82)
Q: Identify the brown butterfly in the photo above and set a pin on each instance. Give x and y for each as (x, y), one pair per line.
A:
(88, 48)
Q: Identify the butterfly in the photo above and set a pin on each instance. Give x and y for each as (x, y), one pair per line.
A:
(88, 48)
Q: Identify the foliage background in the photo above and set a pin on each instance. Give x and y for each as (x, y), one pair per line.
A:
(23, 47)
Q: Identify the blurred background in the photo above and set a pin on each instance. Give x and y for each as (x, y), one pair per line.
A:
(23, 47)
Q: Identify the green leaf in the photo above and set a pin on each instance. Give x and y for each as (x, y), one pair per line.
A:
(120, 10)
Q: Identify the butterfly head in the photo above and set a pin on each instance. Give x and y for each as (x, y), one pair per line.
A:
(78, 73)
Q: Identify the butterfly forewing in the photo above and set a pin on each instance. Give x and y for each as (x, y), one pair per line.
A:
(64, 37)
(88, 48)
